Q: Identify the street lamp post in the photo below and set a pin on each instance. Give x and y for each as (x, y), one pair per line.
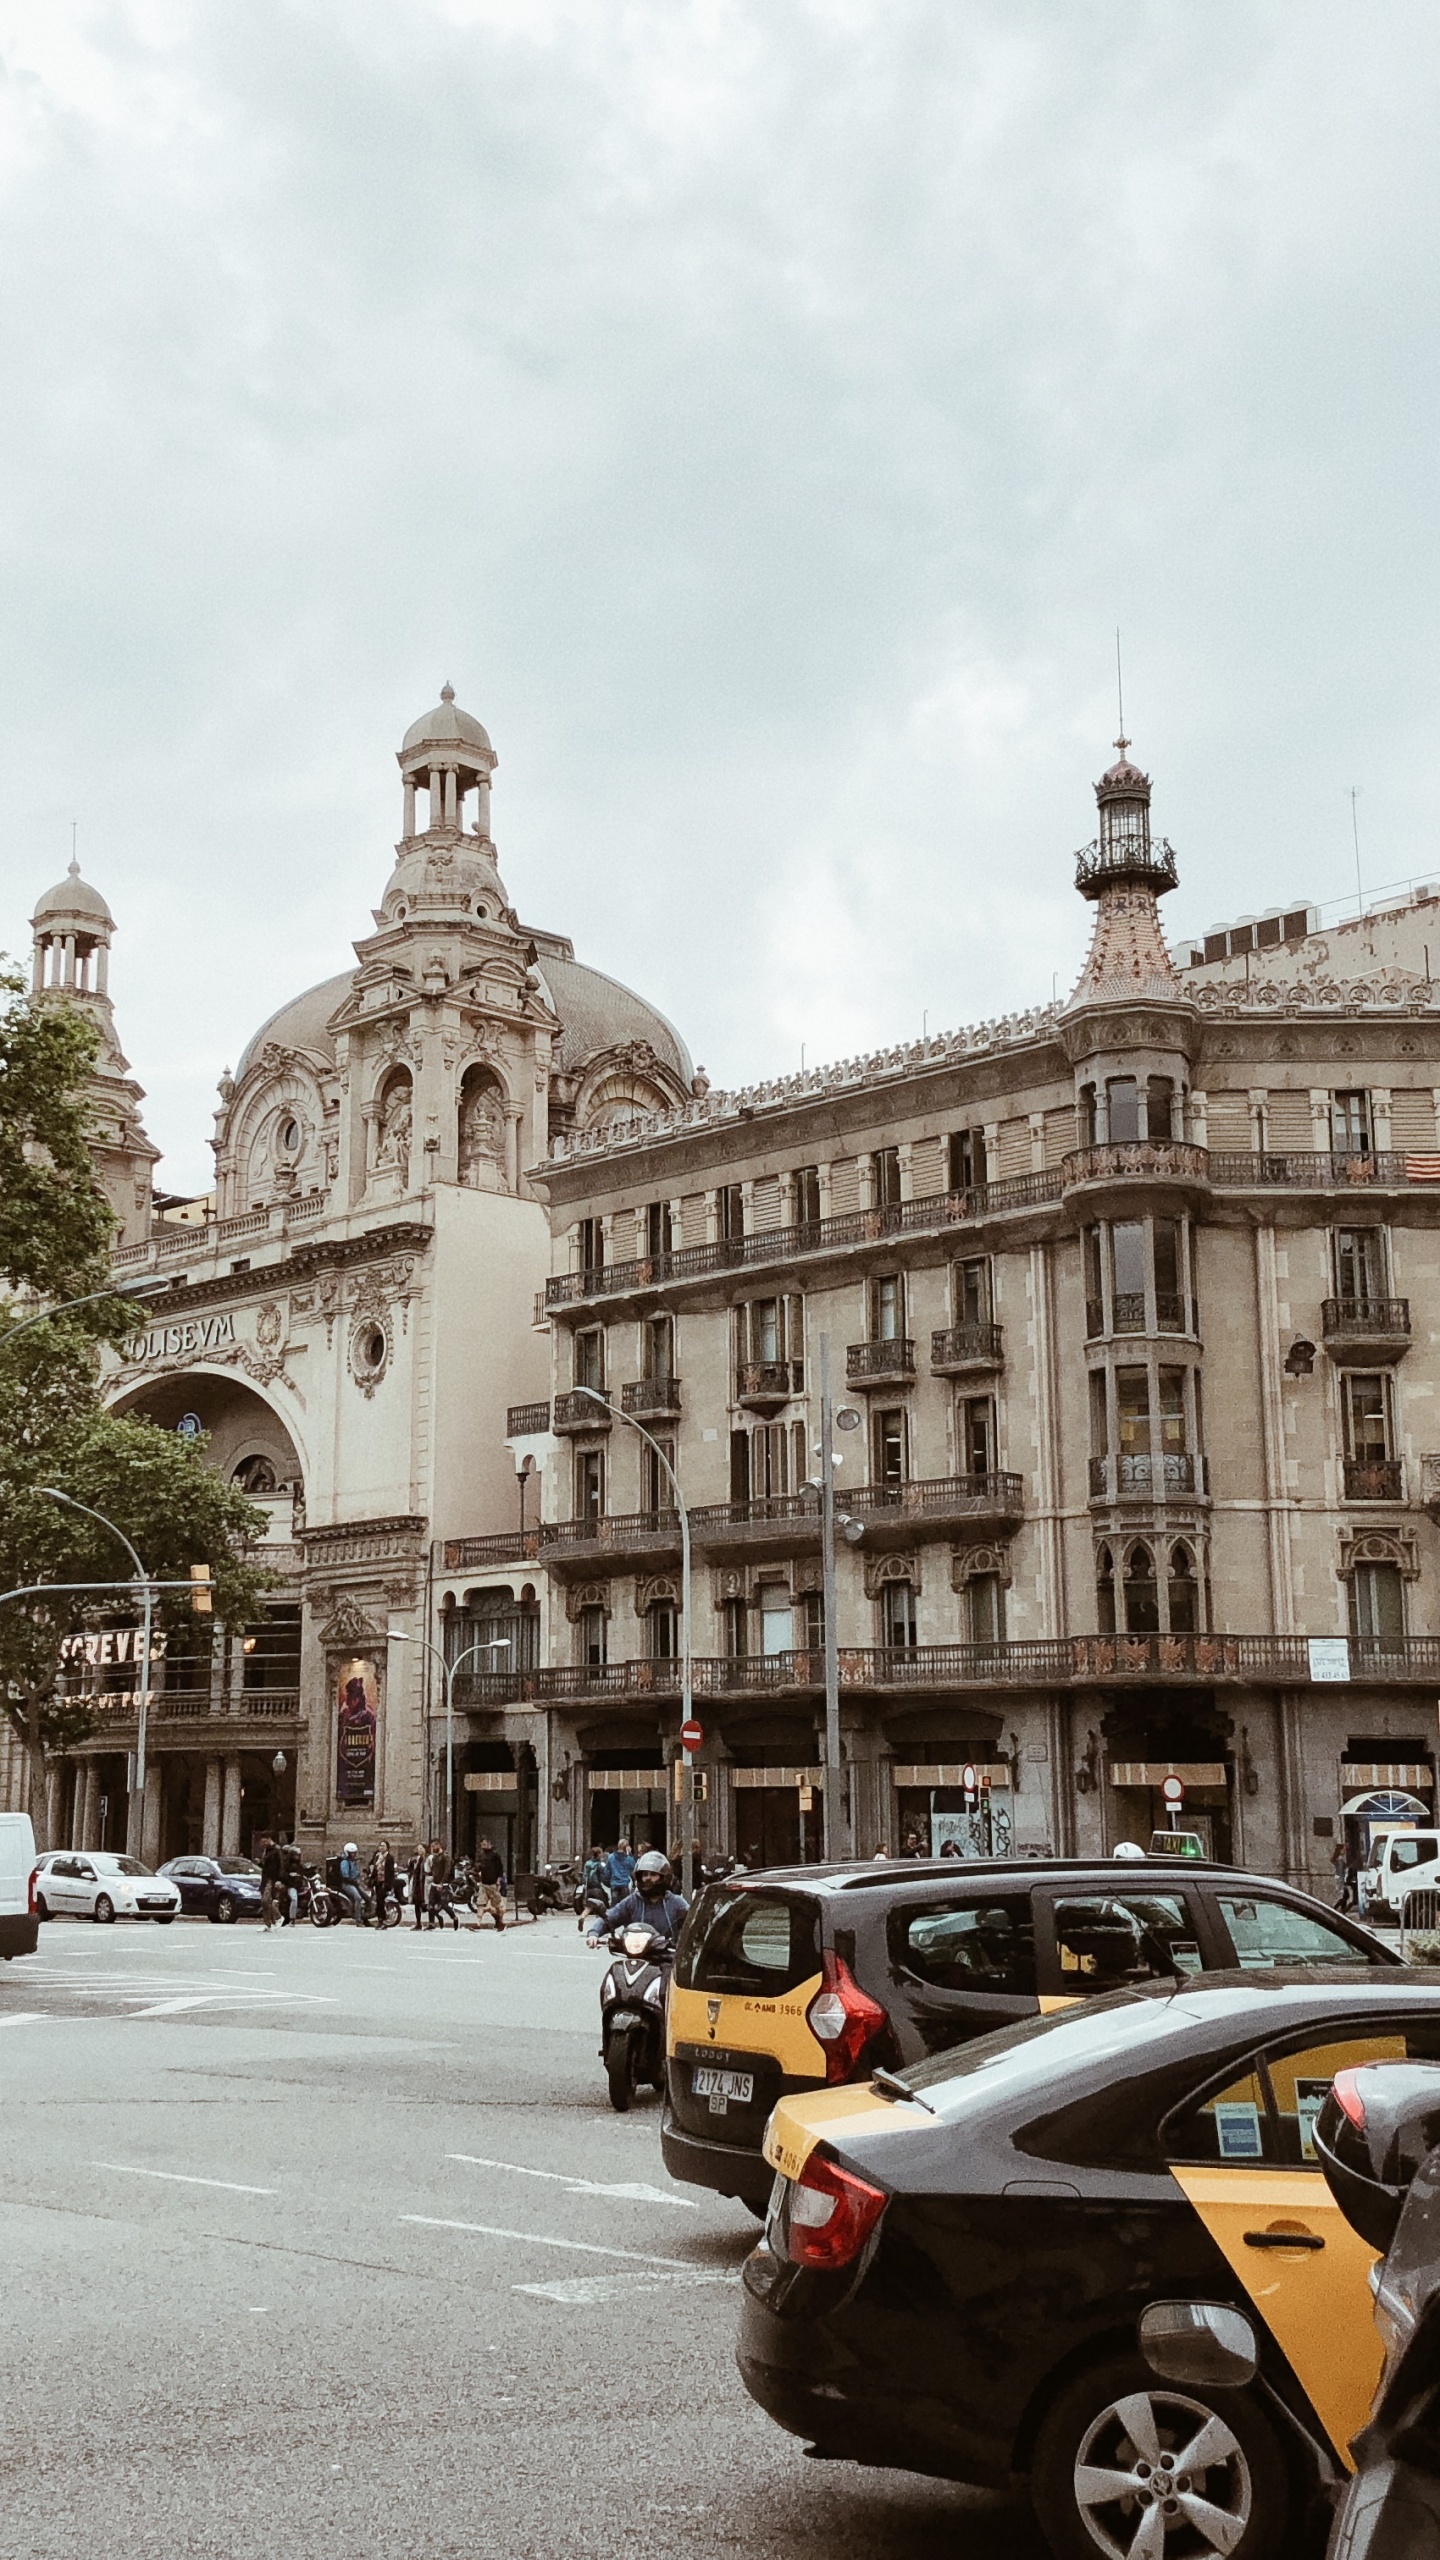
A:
(687, 1764)
(491, 1644)
(148, 1288)
(851, 1529)
(53, 1493)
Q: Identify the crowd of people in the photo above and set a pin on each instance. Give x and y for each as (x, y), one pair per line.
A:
(433, 1880)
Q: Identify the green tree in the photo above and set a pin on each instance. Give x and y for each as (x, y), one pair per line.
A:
(56, 1232)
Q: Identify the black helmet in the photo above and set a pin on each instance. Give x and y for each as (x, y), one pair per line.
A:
(652, 1874)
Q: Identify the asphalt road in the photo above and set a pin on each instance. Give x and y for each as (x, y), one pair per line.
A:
(330, 2246)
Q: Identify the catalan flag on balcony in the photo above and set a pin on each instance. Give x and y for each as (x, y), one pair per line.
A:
(1422, 1168)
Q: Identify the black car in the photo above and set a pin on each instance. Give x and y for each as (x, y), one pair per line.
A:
(223, 1888)
(1094, 2253)
(807, 1977)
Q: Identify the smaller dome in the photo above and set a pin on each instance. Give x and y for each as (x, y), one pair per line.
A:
(73, 896)
(1123, 780)
(446, 726)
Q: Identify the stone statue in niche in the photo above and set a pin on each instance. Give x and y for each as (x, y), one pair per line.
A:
(396, 1124)
(482, 1135)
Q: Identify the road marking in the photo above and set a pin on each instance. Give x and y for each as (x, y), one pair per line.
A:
(630, 2190)
(231, 2000)
(177, 2178)
(544, 2240)
(23, 2018)
(584, 2290)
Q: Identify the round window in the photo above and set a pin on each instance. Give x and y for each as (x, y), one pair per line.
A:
(290, 1135)
(372, 1348)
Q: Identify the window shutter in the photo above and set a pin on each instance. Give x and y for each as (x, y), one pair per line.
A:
(1412, 1120)
(927, 1167)
(766, 1203)
(692, 1218)
(1289, 1129)
(1012, 1154)
(1229, 1129)
(1060, 1135)
(845, 1186)
(794, 1328)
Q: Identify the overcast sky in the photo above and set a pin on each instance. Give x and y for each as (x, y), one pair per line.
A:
(763, 413)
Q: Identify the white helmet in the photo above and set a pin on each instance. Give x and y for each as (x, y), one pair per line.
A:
(350, 1849)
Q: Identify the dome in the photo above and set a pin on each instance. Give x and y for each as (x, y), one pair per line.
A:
(1123, 780)
(301, 1024)
(446, 726)
(73, 897)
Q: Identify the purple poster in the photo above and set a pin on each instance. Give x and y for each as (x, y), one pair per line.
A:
(355, 1735)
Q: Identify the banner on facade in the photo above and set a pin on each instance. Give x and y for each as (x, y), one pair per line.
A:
(356, 1728)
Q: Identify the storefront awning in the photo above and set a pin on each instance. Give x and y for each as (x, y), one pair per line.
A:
(752, 1778)
(1388, 1773)
(627, 1782)
(987, 1773)
(1153, 1773)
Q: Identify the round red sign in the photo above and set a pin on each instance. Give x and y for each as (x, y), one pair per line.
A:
(691, 1735)
(968, 1778)
(1173, 1790)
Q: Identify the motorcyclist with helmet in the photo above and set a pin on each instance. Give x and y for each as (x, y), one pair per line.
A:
(652, 1904)
(350, 1885)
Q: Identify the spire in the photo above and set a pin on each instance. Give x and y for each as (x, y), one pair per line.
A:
(1124, 872)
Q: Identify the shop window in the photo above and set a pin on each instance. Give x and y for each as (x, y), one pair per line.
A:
(1360, 1263)
(590, 1357)
(885, 1164)
(593, 1635)
(1105, 1592)
(589, 1484)
(898, 1625)
(887, 1307)
(969, 1164)
(1350, 1123)
(1377, 1604)
(1142, 1605)
(1127, 1247)
(974, 1295)
(889, 1441)
(1160, 1108)
(977, 1436)
(1181, 1598)
(735, 1629)
(985, 1609)
(777, 1619)
(1122, 1110)
(806, 1180)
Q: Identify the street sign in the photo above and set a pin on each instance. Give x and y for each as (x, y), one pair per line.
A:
(691, 1735)
(968, 1778)
(1173, 1790)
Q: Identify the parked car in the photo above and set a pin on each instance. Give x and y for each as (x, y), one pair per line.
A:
(1376, 2136)
(806, 1977)
(1095, 2254)
(19, 1923)
(223, 1888)
(103, 1884)
(1402, 1862)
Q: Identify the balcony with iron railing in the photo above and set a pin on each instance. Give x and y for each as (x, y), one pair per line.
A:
(1361, 1331)
(191, 1706)
(762, 1386)
(651, 1399)
(1374, 1480)
(524, 1420)
(582, 1409)
(632, 1537)
(965, 1350)
(889, 1363)
(477, 1555)
(1139, 1476)
(1125, 1161)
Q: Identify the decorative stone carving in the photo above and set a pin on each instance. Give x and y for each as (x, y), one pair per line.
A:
(882, 1569)
(1380, 1546)
(348, 1625)
(394, 1129)
(482, 1130)
(968, 1563)
(585, 1595)
(372, 1344)
(650, 1587)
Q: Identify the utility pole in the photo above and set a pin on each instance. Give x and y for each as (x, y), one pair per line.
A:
(831, 1807)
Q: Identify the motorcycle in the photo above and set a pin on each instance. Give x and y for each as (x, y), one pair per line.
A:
(591, 1901)
(329, 1905)
(632, 2013)
(543, 1890)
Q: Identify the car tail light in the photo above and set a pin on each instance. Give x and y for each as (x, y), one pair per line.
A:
(34, 1906)
(1349, 2100)
(844, 2018)
(832, 2214)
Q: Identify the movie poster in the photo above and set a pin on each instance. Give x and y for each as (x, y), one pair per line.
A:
(359, 1716)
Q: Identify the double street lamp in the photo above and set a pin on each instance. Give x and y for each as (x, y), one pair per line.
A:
(490, 1644)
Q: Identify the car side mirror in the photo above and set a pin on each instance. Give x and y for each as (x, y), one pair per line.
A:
(1199, 2343)
(1371, 2134)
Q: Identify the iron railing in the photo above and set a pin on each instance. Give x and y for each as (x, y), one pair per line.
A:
(767, 1381)
(1342, 1316)
(1146, 1478)
(657, 1398)
(870, 1364)
(967, 1346)
(1374, 1480)
(514, 1546)
(580, 1411)
(521, 1419)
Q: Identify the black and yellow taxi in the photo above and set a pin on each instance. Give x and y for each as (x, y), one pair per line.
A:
(965, 2264)
(807, 1977)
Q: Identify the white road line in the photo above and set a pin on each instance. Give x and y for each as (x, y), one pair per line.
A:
(176, 2178)
(232, 2000)
(630, 2190)
(544, 2240)
(585, 2290)
(23, 2018)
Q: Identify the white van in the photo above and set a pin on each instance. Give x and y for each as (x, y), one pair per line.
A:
(19, 1925)
(1401, 1862)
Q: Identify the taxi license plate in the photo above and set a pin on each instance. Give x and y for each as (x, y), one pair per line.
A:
(721, 2086)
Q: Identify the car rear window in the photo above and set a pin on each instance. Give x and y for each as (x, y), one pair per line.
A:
(987, 1945)
(759, 1944)
(1113, 1941)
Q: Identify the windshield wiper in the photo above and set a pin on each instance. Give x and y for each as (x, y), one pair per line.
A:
(891, 2086)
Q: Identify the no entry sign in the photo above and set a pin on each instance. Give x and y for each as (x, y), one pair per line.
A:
(691, 1735)
(1173, 1790)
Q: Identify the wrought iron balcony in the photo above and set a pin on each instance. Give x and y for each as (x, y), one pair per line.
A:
(1147, 860)
(881, 1364)
(1374, 1480)
(579, 1411)
(1126, 1160)
(189, 1706)
(620, 1536)
(762, 1385)
(784, 1522)
(939, 1506)
(1365, 1329)
(523, 1419)
(507, 1546)
(964, 1350)
(651, 1399)
(1142, 1477)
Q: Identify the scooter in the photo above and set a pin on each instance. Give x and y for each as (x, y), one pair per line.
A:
(542, 1891)
(591, 1901)
(632, 2013)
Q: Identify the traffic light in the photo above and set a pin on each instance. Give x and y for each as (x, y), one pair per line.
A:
(201, 1598)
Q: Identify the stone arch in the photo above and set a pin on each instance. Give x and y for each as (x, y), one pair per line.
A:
(262, 1158)
(242, 1425)
(393, 1123)
(482, 1129)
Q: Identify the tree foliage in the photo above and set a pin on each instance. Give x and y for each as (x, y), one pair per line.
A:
(56, 1225)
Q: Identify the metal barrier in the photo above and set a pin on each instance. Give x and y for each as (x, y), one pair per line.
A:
(1420, 1919)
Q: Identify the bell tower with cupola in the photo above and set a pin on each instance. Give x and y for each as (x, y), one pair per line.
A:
(72, 928)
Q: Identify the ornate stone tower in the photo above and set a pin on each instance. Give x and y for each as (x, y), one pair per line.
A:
(72, 926)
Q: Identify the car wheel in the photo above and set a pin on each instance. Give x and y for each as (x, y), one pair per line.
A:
(225, 1907)
(104, 1908)
(164, 1919)
(1127, 2464)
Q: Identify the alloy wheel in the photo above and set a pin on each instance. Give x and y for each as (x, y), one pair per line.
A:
(1158, 2476)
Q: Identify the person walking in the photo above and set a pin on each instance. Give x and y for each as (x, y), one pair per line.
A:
(440, 1901)
(418, 1881)
(490, 1875)
(382, 1879)
(1346, 1897)
(272, 1874)
(620, 1869)
(292, 1880)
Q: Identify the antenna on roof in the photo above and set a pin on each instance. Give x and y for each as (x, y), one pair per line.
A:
(1122, 742)
(1355, 832)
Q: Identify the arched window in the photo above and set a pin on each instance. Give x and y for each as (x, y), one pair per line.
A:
(898, 1629)
(662, 1626)
(1184, 1610)
(480, 1131)
(394, 1126)
(1142, 1602)
(1377, 1604)
(255, 1475)
(1105, 1592)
